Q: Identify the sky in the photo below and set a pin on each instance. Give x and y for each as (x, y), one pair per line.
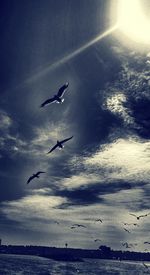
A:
(103, 172)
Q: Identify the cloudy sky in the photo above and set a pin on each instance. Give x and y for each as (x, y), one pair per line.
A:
(103, 172)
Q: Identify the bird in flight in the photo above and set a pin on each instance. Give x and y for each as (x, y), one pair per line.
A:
(127, 245)
(35, 176)
(99, 220)
(138, 217)
(126, 230)
(78, 225)
(59, 144)
(128, 224)
(97, 240)
(58, 97)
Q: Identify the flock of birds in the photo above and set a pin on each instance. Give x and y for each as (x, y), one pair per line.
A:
(58, 98)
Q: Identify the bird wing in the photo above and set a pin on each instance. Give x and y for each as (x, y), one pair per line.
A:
(53, 148)
(39, 172)
(31, 178)
(142, 216)
(63, 141)
(133, 215)
(48, 101)
(62, 90)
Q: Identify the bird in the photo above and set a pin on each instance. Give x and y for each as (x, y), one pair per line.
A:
(138, 217)
(35, 176)
(146, 242)
(72, 227)
(126, 230)
(78, 225)
(127, 245)
(97, 240)
(58, 97)
(128, 224)
(59, 144)
(99, 220)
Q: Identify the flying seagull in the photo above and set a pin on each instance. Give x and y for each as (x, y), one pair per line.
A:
(58, 97)
(59, 144)
(99, 220)
(78, 225)
(126, 230)
(97, 240)
(35, 176)
(128, 224)
(127, 245)
(138, 217)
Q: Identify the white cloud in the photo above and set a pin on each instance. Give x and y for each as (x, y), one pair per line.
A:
(126, 159)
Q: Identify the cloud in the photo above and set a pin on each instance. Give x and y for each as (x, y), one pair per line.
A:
(126, 159)
(6, 121)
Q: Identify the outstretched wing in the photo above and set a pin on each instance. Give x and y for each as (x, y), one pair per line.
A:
(48, 101)
(63, 89)
(53, 148)
(39, 172)
(142, 216)
(31, 178)
(133, 215)
(65, 140)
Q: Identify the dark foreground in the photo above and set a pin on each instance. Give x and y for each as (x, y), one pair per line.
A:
(33, 265)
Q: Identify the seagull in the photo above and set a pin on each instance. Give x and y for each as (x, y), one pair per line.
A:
(35, 176)
(97, 240)
(99, 220)
(58, 97)
(128, 224)
(126, 230)
(79, 225)
(138, 217)
(127, 245)
(59, 144)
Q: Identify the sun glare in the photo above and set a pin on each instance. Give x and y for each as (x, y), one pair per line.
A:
(133, 22)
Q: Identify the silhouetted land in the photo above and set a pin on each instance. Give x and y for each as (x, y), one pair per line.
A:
(73, 254)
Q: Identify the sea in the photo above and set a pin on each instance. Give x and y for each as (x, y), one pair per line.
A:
(33, 265)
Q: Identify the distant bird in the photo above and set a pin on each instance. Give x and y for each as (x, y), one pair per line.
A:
(126, 230)
(78, 225)
(59, 144)
(97, 240)
(99, 220)
(58, 97)
(135, 224)
(138, 217)
(56, 222)
(35, 176)
(128, 224)
(146, 242)
(127, 245)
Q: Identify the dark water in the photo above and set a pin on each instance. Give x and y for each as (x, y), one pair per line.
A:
(31, 265)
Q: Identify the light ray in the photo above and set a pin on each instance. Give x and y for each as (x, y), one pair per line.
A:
(68, 57)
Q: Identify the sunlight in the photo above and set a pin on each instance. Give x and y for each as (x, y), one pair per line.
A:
(133, 22)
